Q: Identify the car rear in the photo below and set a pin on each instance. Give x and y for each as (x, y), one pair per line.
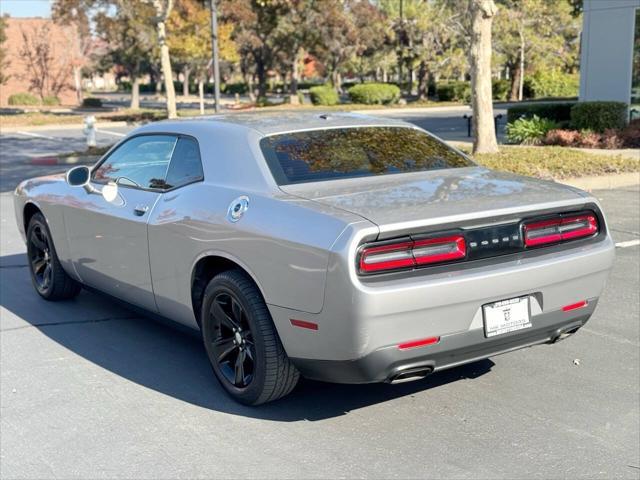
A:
(456, 263)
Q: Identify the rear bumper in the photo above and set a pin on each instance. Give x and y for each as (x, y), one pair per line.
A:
(389, 362)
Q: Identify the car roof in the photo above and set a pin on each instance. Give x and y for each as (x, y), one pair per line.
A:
(283, 122)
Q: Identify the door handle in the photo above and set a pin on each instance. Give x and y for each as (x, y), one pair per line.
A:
(140, 210)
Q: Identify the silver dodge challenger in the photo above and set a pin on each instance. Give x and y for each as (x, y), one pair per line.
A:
(338, 247)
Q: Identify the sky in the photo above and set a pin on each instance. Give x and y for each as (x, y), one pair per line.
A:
(26, 8)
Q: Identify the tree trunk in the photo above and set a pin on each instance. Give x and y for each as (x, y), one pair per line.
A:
(521, 69)
(185, 84)
(261, 72)
(484, 134)
(135, 93)
(385, 76)
(201, 95)
(336, 80)
(423, 84)
(159, 83)
(77, 79)
(515, 75)
(250, 87)
(163, 11)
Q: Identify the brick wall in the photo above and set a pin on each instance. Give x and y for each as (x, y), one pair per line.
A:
(64, 50)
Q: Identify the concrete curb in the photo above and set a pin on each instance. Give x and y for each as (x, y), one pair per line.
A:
(603, 182)
(74, 160)
(65, 126)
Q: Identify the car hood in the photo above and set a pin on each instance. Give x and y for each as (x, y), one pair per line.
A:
(403, 202)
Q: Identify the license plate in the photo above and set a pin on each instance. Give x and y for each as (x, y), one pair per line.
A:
(506, 316)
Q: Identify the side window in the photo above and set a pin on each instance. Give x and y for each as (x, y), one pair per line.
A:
(185, 166)
(141, 162)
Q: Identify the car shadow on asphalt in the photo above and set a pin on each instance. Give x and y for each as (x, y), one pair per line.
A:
(173, 362)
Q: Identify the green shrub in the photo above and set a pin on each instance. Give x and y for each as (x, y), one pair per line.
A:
(324, 95)
(456, 91)
(554, 83)
(374, 93)
(558, 112)
(23, 99)
(92, 102)
(529, 131)
(233, 88)
(50, 100)
(500, 89)
(598, 116)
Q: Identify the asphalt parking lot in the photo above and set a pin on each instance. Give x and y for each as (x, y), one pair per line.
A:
(89, 389)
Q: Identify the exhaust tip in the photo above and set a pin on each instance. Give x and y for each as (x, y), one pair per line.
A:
(410, 374)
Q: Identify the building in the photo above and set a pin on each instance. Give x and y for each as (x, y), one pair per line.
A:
(55, 47)
(610, 55)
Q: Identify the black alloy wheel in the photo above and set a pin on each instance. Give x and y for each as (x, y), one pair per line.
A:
(232, 341)
(40, 258)
(241, 341)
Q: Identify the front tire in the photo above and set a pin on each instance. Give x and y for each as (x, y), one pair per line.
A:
(47, 275)
(241, 341)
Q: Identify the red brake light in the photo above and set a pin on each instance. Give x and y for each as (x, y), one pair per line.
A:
(559, 229)
(412, 253)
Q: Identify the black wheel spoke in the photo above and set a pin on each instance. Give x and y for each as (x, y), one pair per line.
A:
(38, 264)
(46, 275)
(237, 311)
(249, 354)
(239, 368)
(37, 242)
(222, 316)
(223, 347)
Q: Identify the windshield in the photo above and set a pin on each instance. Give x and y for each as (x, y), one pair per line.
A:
(318, 155)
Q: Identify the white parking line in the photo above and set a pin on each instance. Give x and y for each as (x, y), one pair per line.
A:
(30, 134)
(109, 132)
(628, 243)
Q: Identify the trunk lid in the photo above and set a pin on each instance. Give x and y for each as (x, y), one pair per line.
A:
(406, 203)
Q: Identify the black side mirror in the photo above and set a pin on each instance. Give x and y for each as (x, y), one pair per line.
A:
(78, 176)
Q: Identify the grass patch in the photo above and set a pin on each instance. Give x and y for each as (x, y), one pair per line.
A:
(36, 118)
(555, 162)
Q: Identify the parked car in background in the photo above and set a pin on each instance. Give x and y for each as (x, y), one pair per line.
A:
(338, 247)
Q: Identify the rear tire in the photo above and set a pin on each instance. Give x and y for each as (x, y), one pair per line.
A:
(47, 275)
(241, 341)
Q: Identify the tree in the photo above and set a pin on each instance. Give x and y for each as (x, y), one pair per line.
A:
(484, 134)
(339, 37)
(67, 12)
(47, 70)
(162, 10)
(536, 35)
(189, 27)
(4, 64)
(130, 36)
(296, 34)
(256, 32)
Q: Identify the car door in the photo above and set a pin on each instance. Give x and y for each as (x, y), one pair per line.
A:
(108, 240)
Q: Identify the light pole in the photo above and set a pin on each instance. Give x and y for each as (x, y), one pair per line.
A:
(214, 49)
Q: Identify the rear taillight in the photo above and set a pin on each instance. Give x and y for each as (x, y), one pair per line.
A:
(559, 229)
(412, 253)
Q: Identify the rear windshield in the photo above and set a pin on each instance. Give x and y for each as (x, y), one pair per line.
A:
(318, 155)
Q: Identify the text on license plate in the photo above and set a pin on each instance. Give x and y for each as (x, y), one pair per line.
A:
(506, 316)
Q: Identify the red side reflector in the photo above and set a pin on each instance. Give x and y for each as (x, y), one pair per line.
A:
(418, 343)
(304, 324)
(575, 306)
(559, 229)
